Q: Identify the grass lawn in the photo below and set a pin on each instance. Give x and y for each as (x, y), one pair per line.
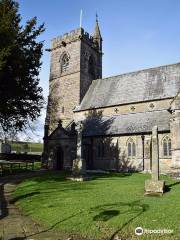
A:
(100, 208)
(27, 147)
(16, 169)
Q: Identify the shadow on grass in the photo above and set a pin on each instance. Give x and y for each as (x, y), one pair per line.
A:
(61, 176)
(106, 215)
(44, 231)
(52, 176)
(51, 228)
(49, 186)
(169, 187)
(100, 213)
(17, 238)
(111, 175)
(108, 211)
(15, 199)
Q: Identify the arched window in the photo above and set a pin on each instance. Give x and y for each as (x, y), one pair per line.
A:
(91, 67)
(101, 149)
(64, 63)
(131, 147)
(167, 146)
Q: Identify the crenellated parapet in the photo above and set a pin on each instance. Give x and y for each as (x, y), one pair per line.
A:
(74, 35)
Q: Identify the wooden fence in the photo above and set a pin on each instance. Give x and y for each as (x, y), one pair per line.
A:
(20, 157)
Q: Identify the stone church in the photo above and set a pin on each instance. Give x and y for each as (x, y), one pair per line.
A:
(117, 113)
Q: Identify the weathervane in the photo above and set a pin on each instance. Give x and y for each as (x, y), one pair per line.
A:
(96, 17)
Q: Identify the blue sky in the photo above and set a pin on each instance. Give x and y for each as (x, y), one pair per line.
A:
(136, 34)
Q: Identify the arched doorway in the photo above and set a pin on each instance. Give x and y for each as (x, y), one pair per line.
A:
(60, 159)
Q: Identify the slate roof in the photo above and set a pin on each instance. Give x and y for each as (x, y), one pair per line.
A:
(149, 84)
(132, 123)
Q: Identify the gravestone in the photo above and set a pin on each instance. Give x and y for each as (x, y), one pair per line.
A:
(154, 186)
(5, 148)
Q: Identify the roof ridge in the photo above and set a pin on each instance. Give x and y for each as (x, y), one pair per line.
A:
(136, 71)
(140, 86)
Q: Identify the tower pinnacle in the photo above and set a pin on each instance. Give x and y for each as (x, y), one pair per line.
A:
(97, 34)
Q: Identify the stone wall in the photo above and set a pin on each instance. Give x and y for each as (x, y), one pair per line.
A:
(67, 88)
(128, 108)
(175, 130)
(118, 144)
(88, 51)
(68, 147)
(116, 153)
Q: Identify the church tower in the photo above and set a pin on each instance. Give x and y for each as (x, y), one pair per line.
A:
(76, 60)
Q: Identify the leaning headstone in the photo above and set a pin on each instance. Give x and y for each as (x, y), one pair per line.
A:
(154, 186)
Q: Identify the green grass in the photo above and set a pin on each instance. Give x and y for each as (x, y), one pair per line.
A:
(99, 208)
(27, 147)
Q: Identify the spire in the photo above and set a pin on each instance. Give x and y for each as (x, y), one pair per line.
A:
(97, 34)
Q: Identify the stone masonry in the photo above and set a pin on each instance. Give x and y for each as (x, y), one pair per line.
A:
(70, 86)
(175, 130)
(118, 112)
